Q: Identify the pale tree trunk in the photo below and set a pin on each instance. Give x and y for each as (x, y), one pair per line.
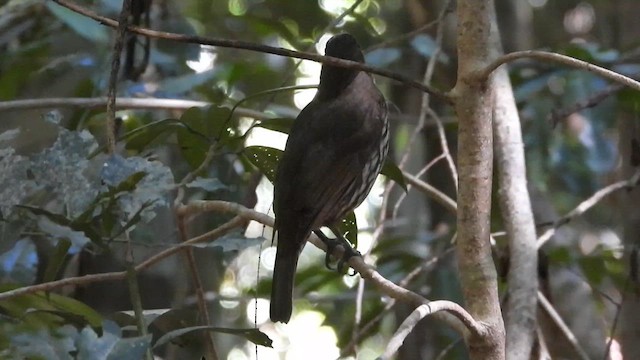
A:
(629, 334)
(517, 215)
(473, 99)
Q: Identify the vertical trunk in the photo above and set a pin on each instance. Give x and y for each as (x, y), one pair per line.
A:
(474, 108)
(630, 318)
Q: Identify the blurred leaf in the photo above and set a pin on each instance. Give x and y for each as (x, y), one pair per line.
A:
(19, 305)
(62, 232)
(56, 260)
(207, 184)
(559, 256)
(179, 85)
(43, 344)
(382, 57)
(145, 136)
(178, 319)
(19, 265)
(111, 345)
(393, 172)
(424, 45)
(64, 221)
(264, 158)
(203, 127)
(593, 268)
(282, 125)
(14, 182)
(232, 242)
(130, 348)
(151, 190)
(254, 335)
(9, 135)
(82, 25)
(61, 170)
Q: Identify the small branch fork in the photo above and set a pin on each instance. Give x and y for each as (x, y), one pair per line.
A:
(560, 59)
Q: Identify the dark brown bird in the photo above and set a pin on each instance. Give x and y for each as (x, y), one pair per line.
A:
(334, 152)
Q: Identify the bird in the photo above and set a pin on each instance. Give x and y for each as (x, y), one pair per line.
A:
(335, 150)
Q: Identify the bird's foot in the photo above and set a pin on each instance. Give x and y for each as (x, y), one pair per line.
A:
(348, 250)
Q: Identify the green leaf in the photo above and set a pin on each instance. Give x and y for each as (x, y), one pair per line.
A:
(196, 138)
(264, 158)
(64, 221)
(150, 134)
(56, 260)
(254, 335)
(82, 25)
(594, 268)
(393, 172)
(49, 304)
(282, 125)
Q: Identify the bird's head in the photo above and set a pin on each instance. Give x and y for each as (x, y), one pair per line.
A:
(344, 46)
(334, 79)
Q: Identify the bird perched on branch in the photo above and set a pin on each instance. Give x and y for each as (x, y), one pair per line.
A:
(334, 152)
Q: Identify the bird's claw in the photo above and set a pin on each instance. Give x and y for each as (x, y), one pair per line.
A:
(348, 251)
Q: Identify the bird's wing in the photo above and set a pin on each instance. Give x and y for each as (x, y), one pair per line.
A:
(321, 165)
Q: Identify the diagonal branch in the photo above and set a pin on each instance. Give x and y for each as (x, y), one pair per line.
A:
(238, 44)
(119, 275)
(588, 204)
(456, 317)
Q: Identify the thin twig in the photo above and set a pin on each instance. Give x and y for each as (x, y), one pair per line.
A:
(123, 103)
(237, 44)
(419, 174)
(432, 192)
(444, 143)
(561, 59)
(558, 114)
(391, 303)
(113, 77)
(197, 284)
(557, 320)
(447, 9)
(588, 204)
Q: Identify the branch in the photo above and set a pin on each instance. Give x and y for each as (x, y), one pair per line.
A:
(520, 311)
(462, 322)
(588, 204)
(348, 349)
(474, 103)
(113, 76)
(420, 313)
(557, 320)
(432, 192)
(237, 44)
(558, 114)
(123, 103)
(112, 276)
(561, 59)
(197, 285)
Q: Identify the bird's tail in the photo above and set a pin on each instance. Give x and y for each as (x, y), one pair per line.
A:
(282, 287)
